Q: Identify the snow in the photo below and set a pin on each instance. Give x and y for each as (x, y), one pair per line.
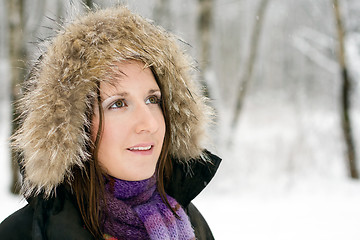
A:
(9, 202)
(314, 212)
(284, 178)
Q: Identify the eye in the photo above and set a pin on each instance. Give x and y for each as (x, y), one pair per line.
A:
(153, 100)
(118, 104)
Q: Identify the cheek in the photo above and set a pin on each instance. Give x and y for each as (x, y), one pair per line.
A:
(161, 120)
(115, 131)
(94, 128)
(163, 128)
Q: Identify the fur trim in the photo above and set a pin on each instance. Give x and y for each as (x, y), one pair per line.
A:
(64, 83)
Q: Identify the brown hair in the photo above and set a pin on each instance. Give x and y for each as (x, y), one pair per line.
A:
(88, 182)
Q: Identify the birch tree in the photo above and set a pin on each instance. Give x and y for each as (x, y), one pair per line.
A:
(248, 70)
(17, 50)
(204, 24)
(89, 3)
(346, 124)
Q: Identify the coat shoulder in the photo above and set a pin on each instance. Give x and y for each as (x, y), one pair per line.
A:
(188, 180)
(201, 227)
(53, 219)
(18, 225)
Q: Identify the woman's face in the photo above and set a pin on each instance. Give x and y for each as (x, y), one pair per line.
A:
(134, 126)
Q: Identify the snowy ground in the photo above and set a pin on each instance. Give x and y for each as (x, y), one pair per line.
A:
(298, 216)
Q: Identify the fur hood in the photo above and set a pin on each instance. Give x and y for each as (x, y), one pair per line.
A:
(64, 82)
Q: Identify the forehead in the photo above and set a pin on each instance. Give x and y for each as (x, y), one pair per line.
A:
(127, 76)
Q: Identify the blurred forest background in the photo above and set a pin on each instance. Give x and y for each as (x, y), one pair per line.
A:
(282, 75)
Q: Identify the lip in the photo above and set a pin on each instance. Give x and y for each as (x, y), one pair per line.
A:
(142, 152)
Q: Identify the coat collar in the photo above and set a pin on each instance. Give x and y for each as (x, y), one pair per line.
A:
(189, 179)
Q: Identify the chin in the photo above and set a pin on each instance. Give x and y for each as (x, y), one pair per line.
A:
(136, 176)
(145, 176)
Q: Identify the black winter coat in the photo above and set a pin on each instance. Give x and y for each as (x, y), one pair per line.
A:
(59, 218)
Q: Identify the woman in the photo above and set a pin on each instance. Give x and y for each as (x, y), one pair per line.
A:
(111, 136)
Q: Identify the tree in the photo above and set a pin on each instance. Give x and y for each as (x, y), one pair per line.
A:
(89, 3)
(248, 71)
(346, 124)
(18, 70)
(204, 24)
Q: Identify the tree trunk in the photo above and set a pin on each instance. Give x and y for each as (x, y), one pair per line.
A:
(89, 3)
(18, 70)
(248, 71)
(345, 96)
(205, 18)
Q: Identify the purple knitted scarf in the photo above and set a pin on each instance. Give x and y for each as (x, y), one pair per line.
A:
(134, 210)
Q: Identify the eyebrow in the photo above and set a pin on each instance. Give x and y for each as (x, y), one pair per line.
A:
(120, 94)
(151, 91)
(124, 94)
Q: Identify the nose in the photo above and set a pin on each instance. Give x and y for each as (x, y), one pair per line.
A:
(147, 119)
